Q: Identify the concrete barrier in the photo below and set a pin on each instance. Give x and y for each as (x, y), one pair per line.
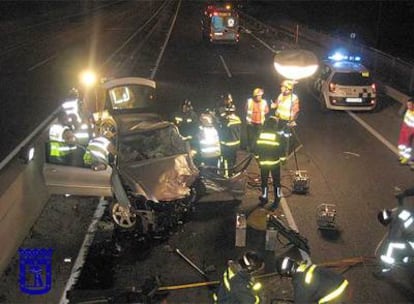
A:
(23, 195)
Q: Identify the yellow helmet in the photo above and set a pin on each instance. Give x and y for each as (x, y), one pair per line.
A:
(287, 84)
(257, 92)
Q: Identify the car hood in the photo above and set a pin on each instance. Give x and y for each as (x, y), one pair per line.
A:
(153, 158)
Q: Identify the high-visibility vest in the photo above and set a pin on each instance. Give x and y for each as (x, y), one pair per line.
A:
(57, 146)
(209, 142)
(409, 118)
(56, 132)
(97, 149)
(286, 106)
(250, 108)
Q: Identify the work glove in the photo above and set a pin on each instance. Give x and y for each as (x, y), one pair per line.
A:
(291, 124)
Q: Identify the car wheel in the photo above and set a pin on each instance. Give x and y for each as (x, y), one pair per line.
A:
(123, 216)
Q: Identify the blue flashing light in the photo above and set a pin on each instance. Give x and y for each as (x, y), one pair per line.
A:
(341, 57)
(338, 57)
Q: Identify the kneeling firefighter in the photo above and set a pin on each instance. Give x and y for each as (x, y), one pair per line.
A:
(238, 285)
(313, 283)
(98, 153)
(269, 155)
(399, 242)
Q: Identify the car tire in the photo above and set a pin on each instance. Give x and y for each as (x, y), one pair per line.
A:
(122, 217)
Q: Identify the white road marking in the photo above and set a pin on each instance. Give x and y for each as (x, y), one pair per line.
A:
(375, 133)
(83, 251)
(225, 67)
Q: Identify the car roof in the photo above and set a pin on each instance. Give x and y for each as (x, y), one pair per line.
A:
(346, 66)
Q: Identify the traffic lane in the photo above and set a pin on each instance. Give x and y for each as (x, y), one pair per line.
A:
(194, 69)
(352, 169)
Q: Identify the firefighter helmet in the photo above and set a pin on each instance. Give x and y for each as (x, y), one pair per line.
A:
(251, 261)
(384, 217)
(227, 97)
(288, 266)
(187, 104)
(258, 92)
(288, 84)
(73, 93)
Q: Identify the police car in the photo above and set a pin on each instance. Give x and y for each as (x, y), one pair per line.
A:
(343, 83)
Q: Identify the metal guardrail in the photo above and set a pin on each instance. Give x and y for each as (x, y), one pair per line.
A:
(30, 138)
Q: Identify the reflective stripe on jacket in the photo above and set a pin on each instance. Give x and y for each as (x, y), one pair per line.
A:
(268, 150)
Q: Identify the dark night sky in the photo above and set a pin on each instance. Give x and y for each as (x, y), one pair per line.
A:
(386, 25)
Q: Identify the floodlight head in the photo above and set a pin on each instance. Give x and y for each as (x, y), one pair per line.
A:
(295, 64)
(88, 78)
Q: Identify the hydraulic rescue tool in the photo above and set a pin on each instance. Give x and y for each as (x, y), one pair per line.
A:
(293, 236)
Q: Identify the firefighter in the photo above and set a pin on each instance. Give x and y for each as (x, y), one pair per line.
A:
(62, 145)
(406, 136)
(237, 284)
(186, 120)
(99, 153)
(256, 111)
(209, 150)
(286, 110)
(313, 283)
(269, 155)
(79, 119)
(399, 244)
(230, 129)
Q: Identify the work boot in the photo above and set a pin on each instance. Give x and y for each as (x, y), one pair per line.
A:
(263, 198)
(274, 205)
(276, 201)
(404, 161)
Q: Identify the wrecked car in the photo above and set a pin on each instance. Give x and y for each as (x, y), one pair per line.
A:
(151, 176)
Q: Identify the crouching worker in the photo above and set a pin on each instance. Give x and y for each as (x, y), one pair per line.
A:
(98, 153)
(237, 285)
(313, 283)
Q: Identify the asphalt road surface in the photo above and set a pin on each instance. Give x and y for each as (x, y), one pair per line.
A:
(350, 159)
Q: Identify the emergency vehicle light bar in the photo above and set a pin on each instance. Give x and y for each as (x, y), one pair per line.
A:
(341, 57)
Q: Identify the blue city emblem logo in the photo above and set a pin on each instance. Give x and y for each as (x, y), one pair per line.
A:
(35, 275)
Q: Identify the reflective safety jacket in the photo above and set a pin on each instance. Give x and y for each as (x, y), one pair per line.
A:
(237, 287)
(315, 284)
(97, 151)
(287, 107)
(256, 112)
(230, 131)
(58, 148)
(400, 240)
(268, 148)
(409, 118)
(186, 123)
(71, 108)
